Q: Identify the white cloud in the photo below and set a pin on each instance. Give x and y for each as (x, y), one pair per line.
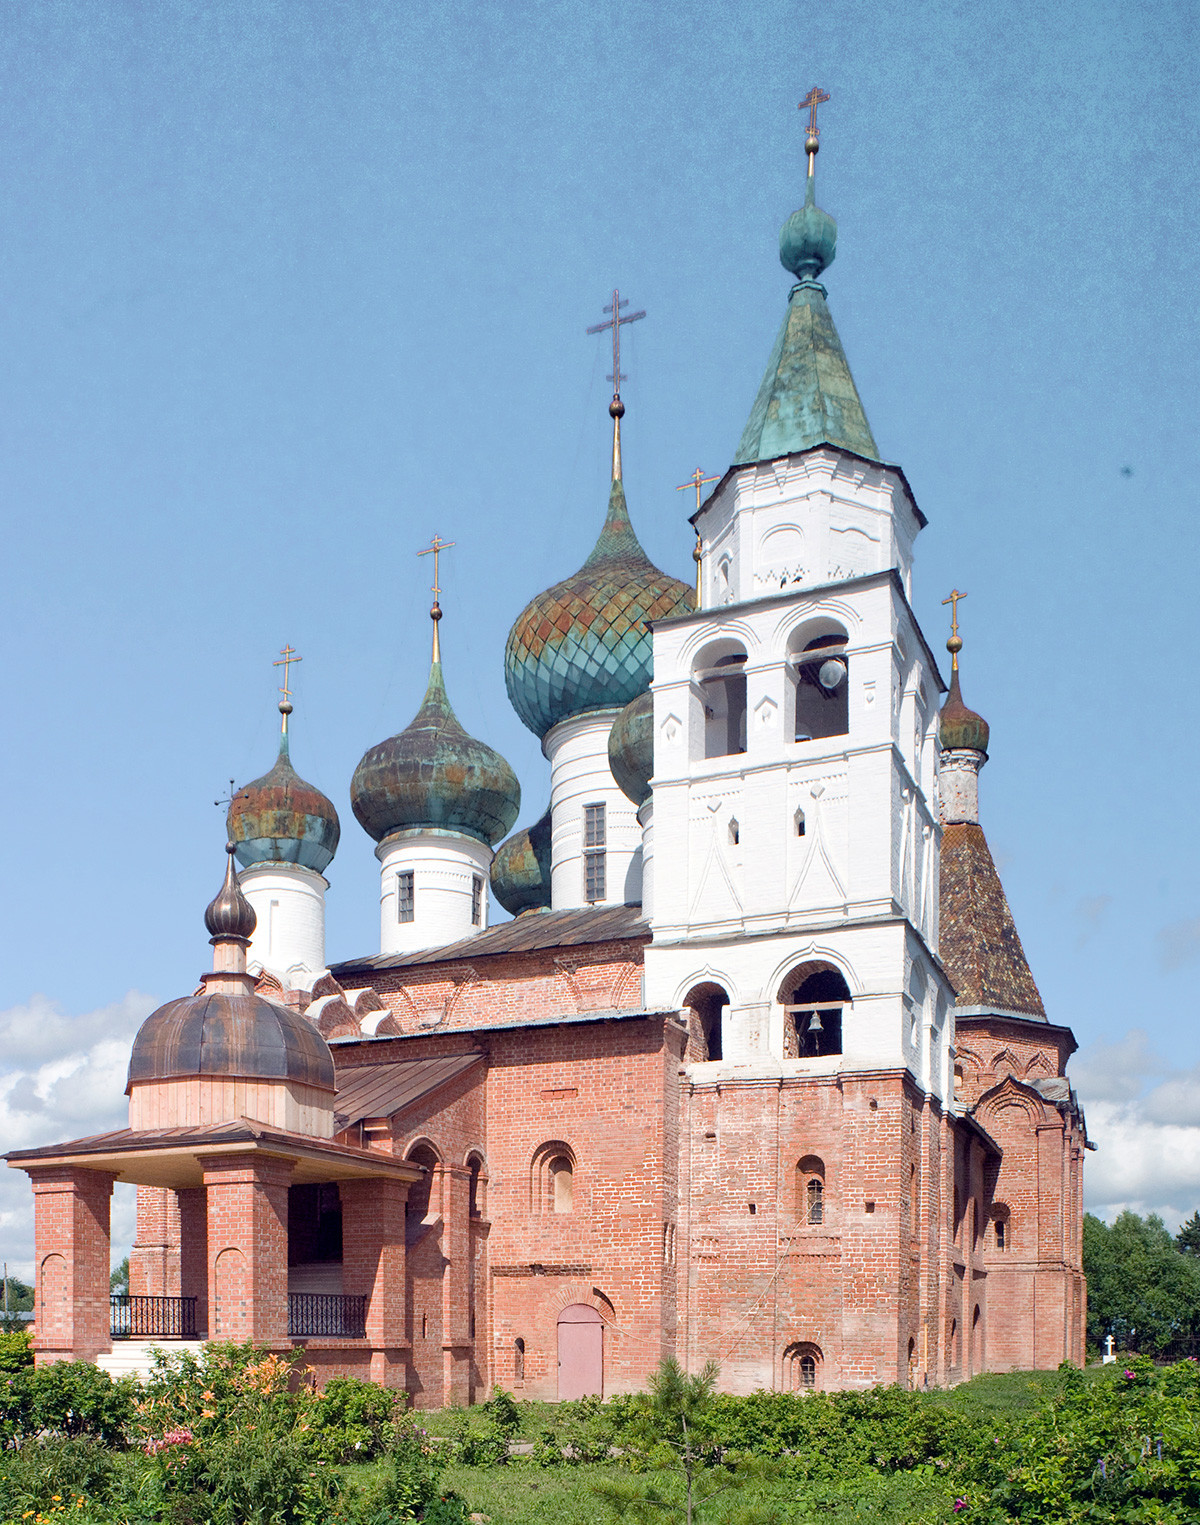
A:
(1144, 1118)
(61, 1077)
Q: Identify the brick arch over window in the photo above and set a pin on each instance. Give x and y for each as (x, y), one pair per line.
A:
(705, 1004)
(477, 1184)
(802, 1367)
(418, 1206)
(812, 1201)
(552, 1178)
(814, 997)
(1000, 1223)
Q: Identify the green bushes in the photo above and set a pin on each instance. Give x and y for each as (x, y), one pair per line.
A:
(71, 1398)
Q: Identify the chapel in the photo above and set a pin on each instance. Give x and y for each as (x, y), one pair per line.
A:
(756, 1071)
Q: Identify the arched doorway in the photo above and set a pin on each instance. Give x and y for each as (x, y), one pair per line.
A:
(580, 1352)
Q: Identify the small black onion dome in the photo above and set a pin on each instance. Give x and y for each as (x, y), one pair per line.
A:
(230, 914)
(960, 727)
(631, 748)
(520, 871)
(433, 775)
(216, 1034)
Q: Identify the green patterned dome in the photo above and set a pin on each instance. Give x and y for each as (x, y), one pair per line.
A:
(521, 869)
(583, 644)
(433, 776)
(631, 748)
(281, 819)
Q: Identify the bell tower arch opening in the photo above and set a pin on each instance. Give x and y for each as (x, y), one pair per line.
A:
(813, 998)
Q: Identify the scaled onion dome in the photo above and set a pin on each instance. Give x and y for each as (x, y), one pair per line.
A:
(232, 1035)
(583, 644)
(281, 819)
(520, 871)
(631, 748)
(433, 776)
(960, 728)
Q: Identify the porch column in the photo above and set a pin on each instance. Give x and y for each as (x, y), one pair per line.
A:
(193, 1252)
(71, 1290)
(247, 1248)
(373, 1266)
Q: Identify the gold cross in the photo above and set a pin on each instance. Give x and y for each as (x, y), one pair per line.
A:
(696, 480)
(435, 547)
(953, 599)
(815, 97)
(286, 657)
(615, 324)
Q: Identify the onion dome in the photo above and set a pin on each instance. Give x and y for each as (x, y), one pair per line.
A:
(230, 914)
(583, 644)
(520, 870)
(433, 776)
(960, 728)
(281, 819)
(631, 748)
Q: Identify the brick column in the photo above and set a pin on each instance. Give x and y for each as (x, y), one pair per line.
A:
(193, 1252)
(373, 1266)
(247, 1249)
(154, 1258)
(456, 1303)
(71, 1287)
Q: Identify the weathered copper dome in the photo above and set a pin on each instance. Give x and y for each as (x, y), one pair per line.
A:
(520, 870)
(241, 1036)
(960, 727)
(631, 748)
(434, 776)
(281, 819)
(583, 644)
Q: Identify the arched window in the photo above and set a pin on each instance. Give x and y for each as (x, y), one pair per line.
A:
(719, 674)
(1001, 1226)
(552, 1180)
(802, 1367)
(811, 1206)
(707, 1003)
(519, 1361)
(955, 1346)
(475, 1187)
(417, 1207)
(817, 654)
(813, 998)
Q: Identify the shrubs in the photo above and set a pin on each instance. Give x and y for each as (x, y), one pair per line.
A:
(71, 1398)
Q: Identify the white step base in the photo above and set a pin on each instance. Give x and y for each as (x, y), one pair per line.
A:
(136, 1357)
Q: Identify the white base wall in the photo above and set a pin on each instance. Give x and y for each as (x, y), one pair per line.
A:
(577, 750)
(444, 866)
(289, 938)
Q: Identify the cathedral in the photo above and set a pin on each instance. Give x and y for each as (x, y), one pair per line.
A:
(757, 1071)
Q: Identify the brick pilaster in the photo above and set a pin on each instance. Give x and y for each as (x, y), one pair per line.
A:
(247, 1248)
(373, 1266)
(456, 1300)
(193, 1251)
(72, 1217)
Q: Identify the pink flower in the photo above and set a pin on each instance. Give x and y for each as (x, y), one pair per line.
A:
(1129, 1374)
(959, 1504)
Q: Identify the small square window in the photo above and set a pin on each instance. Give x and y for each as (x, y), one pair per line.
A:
(477, 901)
(405, 897)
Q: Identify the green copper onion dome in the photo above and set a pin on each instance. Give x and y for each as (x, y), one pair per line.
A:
(281, 819)
(583, 644)
(520, 871)
(631, 748)
(960, 728)
(433, 776)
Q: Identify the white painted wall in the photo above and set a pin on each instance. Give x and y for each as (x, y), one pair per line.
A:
(444, 865)
(577, 750)
(289, 938)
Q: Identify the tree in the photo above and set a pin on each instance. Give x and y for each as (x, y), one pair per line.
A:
(16, 1299)
(1141, 1289)
(118, 1282)
(1187, 1240)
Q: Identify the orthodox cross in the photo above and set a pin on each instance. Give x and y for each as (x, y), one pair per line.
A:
(954, 644)
(286, 657)
(615, 324)
(435, 547)
(815, 97)
(697, 480)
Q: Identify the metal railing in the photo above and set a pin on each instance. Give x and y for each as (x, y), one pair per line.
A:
(167, 1318)
(327, 1313)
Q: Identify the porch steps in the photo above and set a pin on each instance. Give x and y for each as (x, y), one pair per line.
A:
(136, 1357)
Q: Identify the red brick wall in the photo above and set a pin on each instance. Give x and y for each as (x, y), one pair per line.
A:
(71, 1287)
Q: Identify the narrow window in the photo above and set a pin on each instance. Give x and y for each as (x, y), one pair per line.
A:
(519, 1361)
(595, 837)
(734, 833)
(476, 901)
(405, 898)
(799, 823)
(562, 1184)
(816, 1201)
(999, 1233)
(808, 1372)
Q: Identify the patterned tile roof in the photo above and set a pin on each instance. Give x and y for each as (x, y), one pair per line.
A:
(520, 870)
(978, 941)
(280, 819)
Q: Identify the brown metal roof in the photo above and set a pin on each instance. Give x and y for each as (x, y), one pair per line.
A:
(524, 934)
(977, 938)
(382, 1090)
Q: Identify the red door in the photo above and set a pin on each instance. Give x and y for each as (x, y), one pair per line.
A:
(580, 1352)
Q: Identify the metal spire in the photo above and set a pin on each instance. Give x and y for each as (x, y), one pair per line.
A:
(435, 547)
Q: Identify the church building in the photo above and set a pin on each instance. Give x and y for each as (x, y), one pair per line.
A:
(757, 1072)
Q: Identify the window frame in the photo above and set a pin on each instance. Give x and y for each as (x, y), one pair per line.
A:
(406, 897)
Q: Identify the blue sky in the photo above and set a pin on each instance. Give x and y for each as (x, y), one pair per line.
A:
(286, 287)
